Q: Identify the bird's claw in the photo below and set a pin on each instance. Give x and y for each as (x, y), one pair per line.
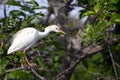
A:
(32, 65)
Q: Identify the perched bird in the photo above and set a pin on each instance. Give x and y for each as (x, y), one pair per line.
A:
(27, 37)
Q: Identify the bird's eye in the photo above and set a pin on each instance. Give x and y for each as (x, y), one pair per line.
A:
(56, 28)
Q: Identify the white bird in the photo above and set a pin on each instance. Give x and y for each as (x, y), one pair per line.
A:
(27, 37)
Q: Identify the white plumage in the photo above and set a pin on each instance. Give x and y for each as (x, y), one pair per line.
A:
(23, 39)
(26, 37)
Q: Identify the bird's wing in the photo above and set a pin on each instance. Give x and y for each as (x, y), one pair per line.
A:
(24, 39)
(16, 35)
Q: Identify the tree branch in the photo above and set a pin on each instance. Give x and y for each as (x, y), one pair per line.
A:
(113, 63)
(37, 75)
(18, 68)
(91, 50)
(26, 67)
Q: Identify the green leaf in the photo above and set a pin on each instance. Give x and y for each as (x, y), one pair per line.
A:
(113, 1)
(73, 77)
(17, 13)
(18, 74)
(34, 2)
(87, 13)
(96, 7)
(26, 8)
(1, 51)
(117, 20)
(41, 62)
(14, 3)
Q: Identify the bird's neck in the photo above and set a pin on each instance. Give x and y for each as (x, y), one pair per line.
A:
(44, 34)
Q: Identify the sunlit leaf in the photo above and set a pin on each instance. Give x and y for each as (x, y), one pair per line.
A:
(117, 20)
(87, 13)
(97, 7)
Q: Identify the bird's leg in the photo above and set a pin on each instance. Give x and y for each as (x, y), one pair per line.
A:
(30, 64)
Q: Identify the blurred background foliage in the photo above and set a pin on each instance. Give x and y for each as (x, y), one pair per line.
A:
(48, 53)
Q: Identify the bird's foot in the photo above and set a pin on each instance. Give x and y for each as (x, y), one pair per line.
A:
(32, 65)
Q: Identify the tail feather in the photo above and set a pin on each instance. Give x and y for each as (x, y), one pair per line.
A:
(11, 50)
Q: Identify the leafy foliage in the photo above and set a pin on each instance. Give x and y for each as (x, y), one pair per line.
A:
(49, 52)
(21, 75)
(107, 14)
(19, 19)
(106, 17)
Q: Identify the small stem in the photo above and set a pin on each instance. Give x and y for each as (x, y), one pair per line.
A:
(113, 63)
(37, 75)
(111, 55)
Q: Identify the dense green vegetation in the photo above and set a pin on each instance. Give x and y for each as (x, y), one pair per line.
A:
(52, 53)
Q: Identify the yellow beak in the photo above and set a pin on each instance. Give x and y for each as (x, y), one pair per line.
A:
(61, 31)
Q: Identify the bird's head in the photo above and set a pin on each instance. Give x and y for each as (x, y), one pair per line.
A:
(54, 28)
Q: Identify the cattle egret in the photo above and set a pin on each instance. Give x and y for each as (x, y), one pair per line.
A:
(27, 37)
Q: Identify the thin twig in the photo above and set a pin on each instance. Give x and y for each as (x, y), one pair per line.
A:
(113, 63)
(14, 69)
(117, 65)
(111, 55)
(36, 74)
(68, 69)
(26, 67)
